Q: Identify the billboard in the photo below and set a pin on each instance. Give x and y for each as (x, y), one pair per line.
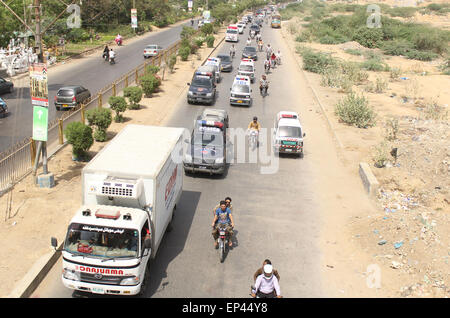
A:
(134, 18)
(38, 84)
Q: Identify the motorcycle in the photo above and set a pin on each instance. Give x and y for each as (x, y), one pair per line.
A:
(232, 54)
(263, 89)
(118, 41)
(278, 60)
(223, 241)
(112, 60)
(253, 139)
(105, 56)
(260, 47)
(252, 34)
(267, 68)
(255, 292)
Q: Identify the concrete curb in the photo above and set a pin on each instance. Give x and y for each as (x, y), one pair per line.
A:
(368, 179)
(28, 284)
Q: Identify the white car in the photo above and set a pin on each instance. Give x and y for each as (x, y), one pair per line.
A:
(247, 68)
(232, 33)
(241, 92)
(152, 50)
(240, 28)
(288, 134)
(214, 61)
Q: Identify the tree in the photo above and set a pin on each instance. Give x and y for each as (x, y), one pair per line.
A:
(101, 118)
(80, 137)
(119, 105)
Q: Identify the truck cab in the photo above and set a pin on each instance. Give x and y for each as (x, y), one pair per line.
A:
(247, 68)
(202, 88)
(241, 92)
(288, 134)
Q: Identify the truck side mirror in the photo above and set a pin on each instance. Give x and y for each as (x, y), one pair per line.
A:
(304, 134)
(54, 242)
(188, 84)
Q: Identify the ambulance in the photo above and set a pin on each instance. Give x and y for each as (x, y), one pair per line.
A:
(247, 68)
(241, 92)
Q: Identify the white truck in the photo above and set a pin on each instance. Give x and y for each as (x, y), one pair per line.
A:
(130, 191)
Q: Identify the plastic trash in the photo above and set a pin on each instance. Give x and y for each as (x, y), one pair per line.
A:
(382, 242)
(398, 245)
(404, 78)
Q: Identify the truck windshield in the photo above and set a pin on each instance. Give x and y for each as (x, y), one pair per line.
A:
(289, 131)
(208, 139)
(238, 88)
(246, 68)
(101, 241)
(201, 81)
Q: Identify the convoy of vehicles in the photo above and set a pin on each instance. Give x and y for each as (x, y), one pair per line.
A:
(125, 211)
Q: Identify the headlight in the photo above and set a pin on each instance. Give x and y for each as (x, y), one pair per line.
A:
(232, 95)
(219, 160)
(130, 281)
(208, 94)
(188, 158)
(190, 93)
(71, 274)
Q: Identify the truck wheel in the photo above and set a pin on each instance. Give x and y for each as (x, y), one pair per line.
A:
(144, 284)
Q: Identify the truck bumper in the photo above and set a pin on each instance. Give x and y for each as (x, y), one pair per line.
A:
(101, 289)
(198, 99)
(198, 168)
(240, 101)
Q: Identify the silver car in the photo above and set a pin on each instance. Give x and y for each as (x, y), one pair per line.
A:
(152, 50)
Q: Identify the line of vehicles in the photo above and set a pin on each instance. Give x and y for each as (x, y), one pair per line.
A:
(127, 208)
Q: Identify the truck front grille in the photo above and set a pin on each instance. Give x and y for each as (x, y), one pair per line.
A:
(101, 279)
(117, 191)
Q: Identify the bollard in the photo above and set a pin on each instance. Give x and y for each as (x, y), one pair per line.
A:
(83, 119)
(100, 102)
(32, 151)
(114, 89)
(126, 80)
(136, 75)
(60, 130)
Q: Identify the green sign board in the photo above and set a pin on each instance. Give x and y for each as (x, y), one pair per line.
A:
(40, 123)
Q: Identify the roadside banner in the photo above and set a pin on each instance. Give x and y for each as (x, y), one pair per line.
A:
(38, 84)
(40, 123)
(134, 18)
(206, 15)
(190, 2)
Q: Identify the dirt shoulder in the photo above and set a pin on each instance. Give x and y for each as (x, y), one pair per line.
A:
(33, 215)
(403, 233)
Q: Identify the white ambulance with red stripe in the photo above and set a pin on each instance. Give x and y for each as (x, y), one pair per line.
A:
(288, 134)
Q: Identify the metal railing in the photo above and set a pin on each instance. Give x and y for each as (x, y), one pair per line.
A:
(17, 162)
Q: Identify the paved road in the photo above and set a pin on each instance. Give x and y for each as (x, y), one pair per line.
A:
(275, 214)
(93, 73)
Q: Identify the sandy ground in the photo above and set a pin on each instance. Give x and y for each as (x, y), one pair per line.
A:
(29, 221)
(407, 235)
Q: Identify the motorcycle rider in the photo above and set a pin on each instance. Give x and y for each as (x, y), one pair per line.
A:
(272, 59)
(278, 55)
(258, 37)
(260, 45)
(263, 83)
(223, 216)
(267, 65)
(112, 56)
(267, 285)
(232, 50)
(229, 205)
(254, 126)
(261, 270)
(106, 53)
(118, 39)
(269, 51)
(249, 41)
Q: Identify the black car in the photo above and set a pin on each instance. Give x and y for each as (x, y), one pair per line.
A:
(206, 150)
(250, 52)
(226, 62)
(5, 86)
(254, 27)
(202, 89)
(71, 96)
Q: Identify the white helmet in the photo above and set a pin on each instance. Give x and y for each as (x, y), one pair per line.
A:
(268, 269)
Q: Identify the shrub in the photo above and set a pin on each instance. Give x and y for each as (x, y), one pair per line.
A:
(368, 37)
(134, 95)
(80, 137)
(374, 65)
(210, 40)
(184, 52)
(381, 155)
(100, 118)
(119, 105)
(316, 62)
(171, 62)
(354, 110)
(152, 69)
(207, 29)
(421, 55)
(199, 41)
(187, 32)
(391, 129)
(149, 84)
(77, 35)
(353, 52)
(194, 48)
(380, 85)
(395, 73)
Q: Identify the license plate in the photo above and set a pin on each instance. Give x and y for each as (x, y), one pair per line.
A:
(202, 167)
(65, 105)
(222, 233)
(239, 101)
(288, 150)
(98, 290)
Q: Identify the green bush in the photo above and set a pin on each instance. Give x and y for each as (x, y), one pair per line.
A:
(77, 35)
(119, 105)
(316, 62)
(149, 84)
(354, 110)
(184, 52)
(187, 32)
(100, 118)
(152, 69)
(210, 40)
(171, 62)
(421, 55)
(80, 137)
(199, 41)
(134, 95)
(375, 65)
(207, 29)
(368, 37)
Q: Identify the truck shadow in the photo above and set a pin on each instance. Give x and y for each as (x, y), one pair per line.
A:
(173, 242)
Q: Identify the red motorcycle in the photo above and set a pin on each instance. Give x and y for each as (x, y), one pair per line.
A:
(118, 41)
